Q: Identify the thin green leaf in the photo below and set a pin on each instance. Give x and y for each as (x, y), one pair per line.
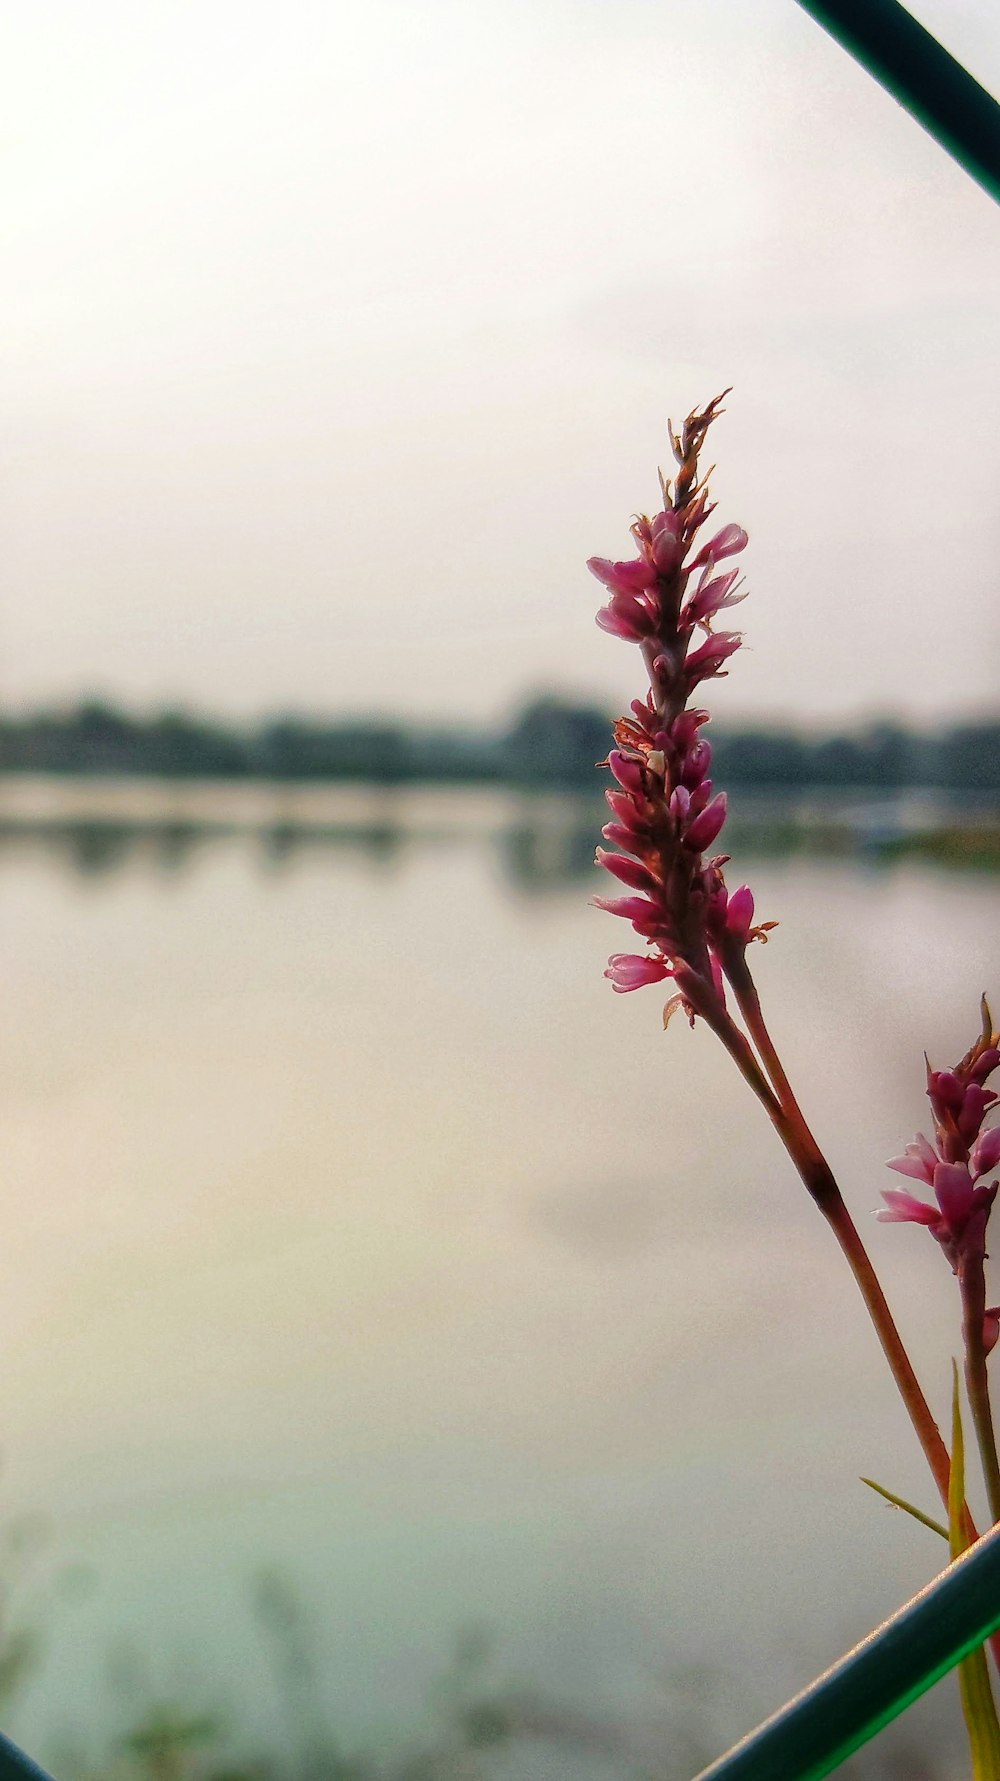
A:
(901, 1503)
(978, 1706)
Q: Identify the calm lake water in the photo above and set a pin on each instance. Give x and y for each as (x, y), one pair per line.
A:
(355, 1231)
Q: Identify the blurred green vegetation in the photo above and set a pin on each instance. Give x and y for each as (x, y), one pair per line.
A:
(477, 1724)
(550, 742)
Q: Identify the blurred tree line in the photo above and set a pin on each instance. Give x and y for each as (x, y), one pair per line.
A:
(551, 742)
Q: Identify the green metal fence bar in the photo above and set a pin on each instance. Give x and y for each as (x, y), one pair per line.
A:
(898, 1662)
(927, 81)
(15, 1766)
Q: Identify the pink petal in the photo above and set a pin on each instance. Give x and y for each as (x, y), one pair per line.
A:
(630, 871)
(621, 835)
(619, 626)
(666, 552)
(725, 544)
(626, 770)
(904, 1208)
(986, 1062)
(711, 596)
(739, 912)
(953, 1191)
(696, 762)
(623, 806)
(707, 660)
(629, 970)
(945, 1090)
(705, 827)
(644, 918)
(913, 1162)
(986, 1152)
(623, 578)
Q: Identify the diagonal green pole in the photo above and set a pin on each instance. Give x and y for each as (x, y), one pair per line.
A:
(926, 80)
(871, 1685)
(15, 1766)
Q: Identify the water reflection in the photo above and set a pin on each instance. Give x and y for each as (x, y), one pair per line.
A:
(542, 843)
(344, 1230)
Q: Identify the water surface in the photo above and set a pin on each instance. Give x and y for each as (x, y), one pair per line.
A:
(354, 1228)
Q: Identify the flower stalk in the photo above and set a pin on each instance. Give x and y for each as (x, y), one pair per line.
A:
(667, 816)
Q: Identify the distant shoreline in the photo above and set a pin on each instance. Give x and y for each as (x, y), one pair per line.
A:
(550, 744)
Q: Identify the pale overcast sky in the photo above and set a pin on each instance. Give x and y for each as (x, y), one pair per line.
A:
(338, 335)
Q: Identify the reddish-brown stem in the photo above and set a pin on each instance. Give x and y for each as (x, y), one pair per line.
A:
(973, 1285)
(815, 1171)
(819, 1180)
(928, 1433)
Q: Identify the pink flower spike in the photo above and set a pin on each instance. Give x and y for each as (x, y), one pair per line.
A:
(631, 872)
(705, 827)
(985, 1152)
(629, 970)
(725, 544)
(904, 1208)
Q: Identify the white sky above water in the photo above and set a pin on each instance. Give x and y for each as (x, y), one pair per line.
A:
(339, 335)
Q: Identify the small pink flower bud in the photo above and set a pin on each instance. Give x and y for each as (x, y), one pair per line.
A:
(975, 1103)
(629, 970)
(626, 770)
(953, 1191)
(945, 1090)
(739, 912)
(705, 827)
(991, 1328)
(985, 1152)
(696, 762)
(631, 872)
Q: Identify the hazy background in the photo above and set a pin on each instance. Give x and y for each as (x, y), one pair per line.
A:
(337, 337)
